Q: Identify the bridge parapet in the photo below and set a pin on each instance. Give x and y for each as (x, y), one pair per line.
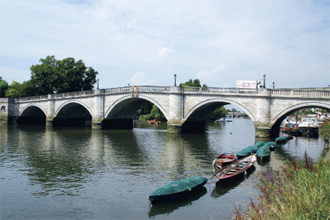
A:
(219, 90)
(302, 92)
(133, 88)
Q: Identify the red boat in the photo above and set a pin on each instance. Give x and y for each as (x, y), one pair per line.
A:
(223, 160)
(235, 169)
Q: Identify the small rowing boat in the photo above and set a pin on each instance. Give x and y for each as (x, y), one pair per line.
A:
(223, 160)
(177, 189)
(235, 169)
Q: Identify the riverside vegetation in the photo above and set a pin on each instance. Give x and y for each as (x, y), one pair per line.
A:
(299, 190)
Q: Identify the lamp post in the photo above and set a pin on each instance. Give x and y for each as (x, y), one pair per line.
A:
(273, 85)
(97, 83)
(264, 81)
(174, 79)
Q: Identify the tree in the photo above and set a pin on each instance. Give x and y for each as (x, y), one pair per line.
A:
(191, 83)
(58, 76)
(14, 90)
(3, 88)
(218, 113)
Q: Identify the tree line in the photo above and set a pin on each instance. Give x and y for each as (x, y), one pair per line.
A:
(52, 76)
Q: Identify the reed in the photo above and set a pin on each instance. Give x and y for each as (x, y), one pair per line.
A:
(299, 190)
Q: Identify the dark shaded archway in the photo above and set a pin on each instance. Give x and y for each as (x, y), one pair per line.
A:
(196, 123)
(121, 116)
(32, 115)
(73, 114)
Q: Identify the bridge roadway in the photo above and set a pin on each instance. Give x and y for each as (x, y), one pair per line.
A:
(185, 108)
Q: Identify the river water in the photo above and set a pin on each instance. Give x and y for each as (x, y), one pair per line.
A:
(80, 173)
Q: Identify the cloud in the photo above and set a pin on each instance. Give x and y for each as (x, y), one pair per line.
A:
(165, 51)
(281, 38)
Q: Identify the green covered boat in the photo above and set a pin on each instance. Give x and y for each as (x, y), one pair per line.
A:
(264, 151)
(245, 152)
(177, 189)
(281, 140)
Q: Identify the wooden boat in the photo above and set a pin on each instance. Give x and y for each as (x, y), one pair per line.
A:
(223, 160)
(235, 169)
(177, 189)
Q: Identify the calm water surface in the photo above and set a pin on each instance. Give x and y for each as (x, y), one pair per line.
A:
(79, 173)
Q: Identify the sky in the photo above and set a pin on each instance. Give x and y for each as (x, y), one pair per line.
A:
(146, 42)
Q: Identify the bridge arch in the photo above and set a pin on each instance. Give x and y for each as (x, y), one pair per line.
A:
(134, 102)
(277, 120)
(218, 102)
(195, 119)
(32, 114)
(120, 114)
(73, 113)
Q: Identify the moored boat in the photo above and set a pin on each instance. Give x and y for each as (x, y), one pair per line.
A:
(281, 140)
(235, 169)
(177, 189)
(223, 160)
(264, 151)
(309, 127)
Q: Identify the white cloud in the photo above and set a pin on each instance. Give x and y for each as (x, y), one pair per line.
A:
(250, 38)
(165, 51)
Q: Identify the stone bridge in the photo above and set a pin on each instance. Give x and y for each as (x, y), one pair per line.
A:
(185, 108)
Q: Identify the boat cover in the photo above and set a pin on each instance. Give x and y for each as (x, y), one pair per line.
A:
(245, 152)
(281, 139)
(180, 186)
(264, 151)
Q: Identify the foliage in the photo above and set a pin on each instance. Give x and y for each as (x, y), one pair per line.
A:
(325, 131)
(58, 76)
(191, 83)
(155, 113)
(14, 90)
(218, 113)
(298, 191)
(3, 88)
(55, 76)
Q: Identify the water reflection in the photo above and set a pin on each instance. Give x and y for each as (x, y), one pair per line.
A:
(102, 174)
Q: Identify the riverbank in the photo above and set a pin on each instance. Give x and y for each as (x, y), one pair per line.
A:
(299, 190)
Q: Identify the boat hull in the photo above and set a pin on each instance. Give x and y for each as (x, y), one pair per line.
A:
(236, 169)
(177, 190)
(309, 131)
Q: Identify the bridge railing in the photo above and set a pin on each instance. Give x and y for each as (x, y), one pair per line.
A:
(39, 97)
(220, 90)
(126, 89)
(301, 92)
(72, 94)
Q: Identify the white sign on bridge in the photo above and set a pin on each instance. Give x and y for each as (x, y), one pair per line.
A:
(246, 84)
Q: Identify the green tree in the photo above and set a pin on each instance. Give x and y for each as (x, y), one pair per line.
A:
(218, 113)
(3, 88)
(155, 113)
(192, 83)
(57, 76)
(14, 90)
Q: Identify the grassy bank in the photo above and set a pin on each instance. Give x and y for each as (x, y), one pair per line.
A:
(299, 190)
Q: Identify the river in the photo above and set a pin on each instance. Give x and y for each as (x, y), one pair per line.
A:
(80, 173)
